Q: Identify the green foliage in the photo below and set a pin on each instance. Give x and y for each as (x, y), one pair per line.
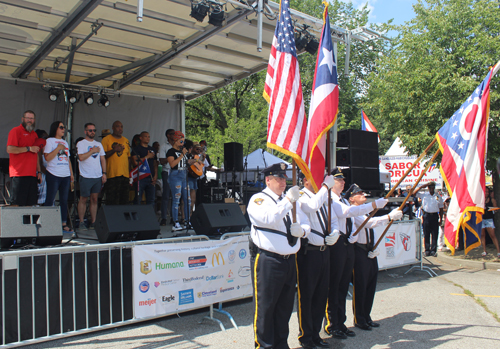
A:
(437, 61)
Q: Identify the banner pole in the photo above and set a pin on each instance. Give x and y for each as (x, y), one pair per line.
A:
(294, 183)
(329, 168)
(431, 161)
(396, 185)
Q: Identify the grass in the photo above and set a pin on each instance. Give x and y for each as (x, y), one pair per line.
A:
(478, 301)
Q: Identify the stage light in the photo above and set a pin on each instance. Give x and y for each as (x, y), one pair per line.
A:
(72, 96)
(216, 16)
(312, 46)
(300, 41)
(199, 11)
(103, 101)
(88, 98)
(53, 94)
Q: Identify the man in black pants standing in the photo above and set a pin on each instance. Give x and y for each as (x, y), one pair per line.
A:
(342, 258)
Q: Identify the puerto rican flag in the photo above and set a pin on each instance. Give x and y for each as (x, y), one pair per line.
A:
(143, 170)
(324, 105)
(462, 141)
(287, 122)
(366, 124)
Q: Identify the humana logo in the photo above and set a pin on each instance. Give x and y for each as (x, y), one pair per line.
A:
(148, 302)
(169, 265)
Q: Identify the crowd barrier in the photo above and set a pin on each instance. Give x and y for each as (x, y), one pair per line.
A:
(52, 293)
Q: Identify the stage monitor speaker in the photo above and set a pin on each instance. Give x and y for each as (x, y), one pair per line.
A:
(39, 226)
(358, 157)
(233, 156)
(366, 178)
(217, 219)
(357, 139)
(126, 223)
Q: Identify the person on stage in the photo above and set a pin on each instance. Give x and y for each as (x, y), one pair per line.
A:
(365, 260)
(274, 241)
(140, 153)
(342, 257)
(313, 262)
(165, 172)
(24, 167)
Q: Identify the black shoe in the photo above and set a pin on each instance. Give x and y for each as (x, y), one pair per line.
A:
(337, 334)
(163, 222)
(373, 324)
(349, 333)
(309, 345)
(320, 343)
(427, 253)
(364, 327)
(433, 254)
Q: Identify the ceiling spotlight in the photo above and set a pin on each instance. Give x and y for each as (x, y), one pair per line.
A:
(300, 41)
(216, 16)
(88, 98)
(72, 96)
(103, 101)
(312, 46)
(53, 94)
(199, 11)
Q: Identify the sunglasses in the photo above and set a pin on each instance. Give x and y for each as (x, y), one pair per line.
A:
(181, 142)
(62, 127)
(91, 130)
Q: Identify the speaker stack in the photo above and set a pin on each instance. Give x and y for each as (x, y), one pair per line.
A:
(39, 226)
(217, 219)
(233, 157)
(126, 223)
(359, 152)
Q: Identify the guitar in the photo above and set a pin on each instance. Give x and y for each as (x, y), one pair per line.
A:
(196, 169)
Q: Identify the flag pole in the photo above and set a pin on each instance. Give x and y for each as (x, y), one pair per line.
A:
(329, 168)
(294, 183)
(396, 185)
(431, 161)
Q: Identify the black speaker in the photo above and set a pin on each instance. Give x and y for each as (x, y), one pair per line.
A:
(366, 178)
(233, 156)
(357, 139)
(126, 223)
(358, 157)
(217, 219)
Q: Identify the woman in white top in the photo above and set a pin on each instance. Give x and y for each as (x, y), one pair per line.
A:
(59, 173)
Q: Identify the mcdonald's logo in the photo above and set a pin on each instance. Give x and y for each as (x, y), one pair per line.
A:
(217, 257)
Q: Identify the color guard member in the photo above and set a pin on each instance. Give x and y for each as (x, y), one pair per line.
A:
(274, 241)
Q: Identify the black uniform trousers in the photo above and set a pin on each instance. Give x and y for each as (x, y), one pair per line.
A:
(431, 231)
(313, 270)
(364, 282)
(341, 265)
(274, 279)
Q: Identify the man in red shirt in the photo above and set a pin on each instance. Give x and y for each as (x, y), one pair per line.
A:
(24, 166)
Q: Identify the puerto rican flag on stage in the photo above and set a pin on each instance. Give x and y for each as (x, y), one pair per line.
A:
(286, 129)
(366, 124)
(144, 171)
(462, 141)
(324, 104)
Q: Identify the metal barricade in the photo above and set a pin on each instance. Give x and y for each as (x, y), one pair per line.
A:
(51, 293)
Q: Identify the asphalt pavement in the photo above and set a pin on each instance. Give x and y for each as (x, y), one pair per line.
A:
(453, 310)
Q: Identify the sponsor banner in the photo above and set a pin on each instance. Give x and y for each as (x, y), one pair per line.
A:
(399, 246)
(397, 166)
(170, 278)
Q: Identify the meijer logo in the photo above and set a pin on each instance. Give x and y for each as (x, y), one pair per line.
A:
(217, 258)
(148, 302)
(169, 265)
(146, 267)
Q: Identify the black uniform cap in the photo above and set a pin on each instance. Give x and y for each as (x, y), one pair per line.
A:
(353, 189)
(337, 173)
(278, 170)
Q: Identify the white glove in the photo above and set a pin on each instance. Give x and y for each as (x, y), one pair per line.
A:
(373, 254)
(296, 230)
(293, 194)
(332, 238)
(380, 203)
(395, 214)
(329, 181)
(352, 239)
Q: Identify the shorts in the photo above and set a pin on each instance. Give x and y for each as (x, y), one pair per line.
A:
(193, 183)
(90, 186)
(488, 223)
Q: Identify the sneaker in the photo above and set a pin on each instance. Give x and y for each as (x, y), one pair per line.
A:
(484, 254)
(177, 227)
(82, 227)
(163, 222)
(92, 226)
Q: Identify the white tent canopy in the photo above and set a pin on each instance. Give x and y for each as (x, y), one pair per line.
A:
(397, 148)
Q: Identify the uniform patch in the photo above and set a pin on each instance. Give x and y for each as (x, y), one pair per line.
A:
(301, 193)
(259, 201)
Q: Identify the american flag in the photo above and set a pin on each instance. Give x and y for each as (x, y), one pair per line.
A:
(324, 104)
(286, 129)
(462, 141)
(366, 124)
(143, 169)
